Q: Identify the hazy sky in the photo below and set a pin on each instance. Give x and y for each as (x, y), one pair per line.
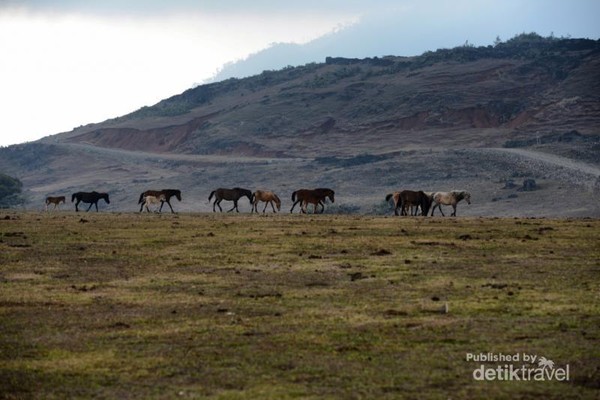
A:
(66, 63)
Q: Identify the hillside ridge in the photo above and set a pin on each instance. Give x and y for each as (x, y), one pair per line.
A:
(480, 118)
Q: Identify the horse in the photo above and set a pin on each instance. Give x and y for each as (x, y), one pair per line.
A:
(149, 200)
(231, 195)
(89, 197)
(396, 197)
(54, 200)
(450, 199)
(410, 198)
(268, 197)
(316, 197)
(168, 193)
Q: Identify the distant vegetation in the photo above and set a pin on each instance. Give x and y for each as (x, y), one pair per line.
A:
(549, 50)
(10, 191)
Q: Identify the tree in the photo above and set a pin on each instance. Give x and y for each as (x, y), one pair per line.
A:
(10, 191)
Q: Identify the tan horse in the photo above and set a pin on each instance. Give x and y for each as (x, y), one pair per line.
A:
(268, 197)
(54, 200)
(396, 197)
(154, 200)
(449, 199)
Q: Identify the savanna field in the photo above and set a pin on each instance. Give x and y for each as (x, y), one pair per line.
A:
(148, 306)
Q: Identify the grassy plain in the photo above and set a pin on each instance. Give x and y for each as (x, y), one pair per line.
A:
(118, 305)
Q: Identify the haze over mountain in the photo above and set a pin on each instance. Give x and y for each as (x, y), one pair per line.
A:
(480, 118)
(410, 31)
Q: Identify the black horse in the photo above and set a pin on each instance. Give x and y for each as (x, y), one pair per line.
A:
(168, 194)
(229, 194)
(89, 197)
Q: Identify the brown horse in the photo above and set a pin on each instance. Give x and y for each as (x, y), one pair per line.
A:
(268, 197)
(54, 200)
(396, 197)
(410, 198)
(316, 197)
(168, 193)
(231, 195)
(450, 199)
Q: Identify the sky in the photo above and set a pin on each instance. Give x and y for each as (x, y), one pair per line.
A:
(67, 63)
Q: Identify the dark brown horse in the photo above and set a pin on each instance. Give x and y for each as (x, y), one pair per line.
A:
(231, 195)
(408, 198)
(89, 197)
(316, 197)
(167, 193)
(54, 200)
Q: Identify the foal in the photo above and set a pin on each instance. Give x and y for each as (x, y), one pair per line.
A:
(151, 200)
(54, 200)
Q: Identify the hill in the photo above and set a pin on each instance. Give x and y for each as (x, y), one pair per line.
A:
(471, 117)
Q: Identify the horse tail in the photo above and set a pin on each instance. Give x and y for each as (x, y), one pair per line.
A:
(294, 196)
(211, 195)
(141, 198)
(389, 196)
(252, 198)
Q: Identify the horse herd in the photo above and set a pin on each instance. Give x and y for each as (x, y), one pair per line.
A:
(404, 200)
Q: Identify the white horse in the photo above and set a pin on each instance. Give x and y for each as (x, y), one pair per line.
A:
(449, 199)
(154, 200)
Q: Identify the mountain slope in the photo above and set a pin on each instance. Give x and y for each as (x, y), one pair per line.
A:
(363, 126)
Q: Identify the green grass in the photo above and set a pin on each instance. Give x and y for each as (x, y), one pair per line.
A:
(236, 306)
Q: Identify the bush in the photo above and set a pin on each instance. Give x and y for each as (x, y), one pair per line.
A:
(10, 191)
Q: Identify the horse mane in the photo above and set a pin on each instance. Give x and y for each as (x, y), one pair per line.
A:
(459, 194)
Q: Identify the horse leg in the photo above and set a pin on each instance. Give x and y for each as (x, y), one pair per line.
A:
(294, 205)
(322, 207)
(266, 204)
(76, 204)
(91, 204)
(454, 210)
(142, 206)
(234, 206)
(441, 211)
(272, 206)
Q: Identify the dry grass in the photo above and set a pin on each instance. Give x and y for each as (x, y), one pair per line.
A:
(238, 306)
